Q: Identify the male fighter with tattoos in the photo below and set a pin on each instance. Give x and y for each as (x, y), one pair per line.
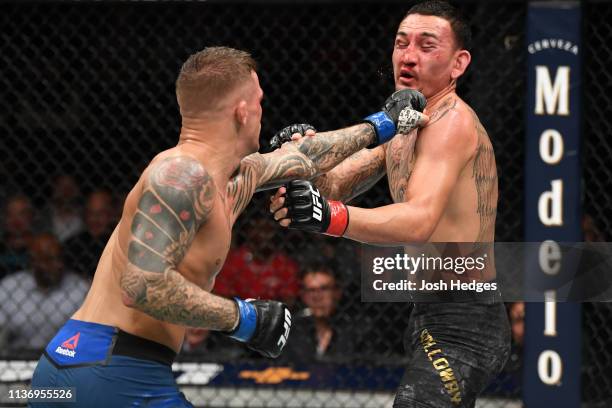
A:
(443, 181)
(156, 272)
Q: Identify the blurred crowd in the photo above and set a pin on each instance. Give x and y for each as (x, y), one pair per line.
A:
(48, 256)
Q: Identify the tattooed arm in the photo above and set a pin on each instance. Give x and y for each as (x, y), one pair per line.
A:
(177, 198)
(354, 176)
(306, 158)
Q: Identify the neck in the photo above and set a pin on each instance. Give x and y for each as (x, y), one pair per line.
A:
(438, 96)
(214, 143)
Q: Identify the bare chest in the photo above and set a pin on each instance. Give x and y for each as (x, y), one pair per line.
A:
(400, 159)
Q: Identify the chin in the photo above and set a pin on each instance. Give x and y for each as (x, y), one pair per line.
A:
(399, 86)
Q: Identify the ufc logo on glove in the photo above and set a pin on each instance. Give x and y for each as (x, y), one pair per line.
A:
(317, 207)
(282, 340)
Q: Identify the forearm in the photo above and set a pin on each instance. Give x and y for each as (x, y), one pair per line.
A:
(171, 298)
(399, 223)
(338, 187)
(353, 176)
(306, 158)
(328, 149)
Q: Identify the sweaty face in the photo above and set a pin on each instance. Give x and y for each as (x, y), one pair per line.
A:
(424, 54)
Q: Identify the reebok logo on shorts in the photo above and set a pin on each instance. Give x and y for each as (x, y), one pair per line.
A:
(68, 348)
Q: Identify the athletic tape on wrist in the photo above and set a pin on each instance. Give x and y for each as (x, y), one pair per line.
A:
(408, 119)
(338, 219)
(385, 128)
(247, 321)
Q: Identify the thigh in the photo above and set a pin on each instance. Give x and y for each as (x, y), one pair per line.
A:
(455, 351)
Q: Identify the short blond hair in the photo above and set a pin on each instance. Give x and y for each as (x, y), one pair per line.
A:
(208, 75)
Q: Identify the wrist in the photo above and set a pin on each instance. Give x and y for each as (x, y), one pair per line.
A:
(384, 127)
(246, 322)
(339, 218)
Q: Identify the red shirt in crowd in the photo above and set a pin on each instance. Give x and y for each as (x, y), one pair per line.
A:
(247, 277)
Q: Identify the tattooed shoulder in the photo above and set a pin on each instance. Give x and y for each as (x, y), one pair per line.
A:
(176, 200)
(243, 183)
(446, 106)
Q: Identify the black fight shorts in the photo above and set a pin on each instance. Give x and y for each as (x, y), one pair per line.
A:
(454, 352)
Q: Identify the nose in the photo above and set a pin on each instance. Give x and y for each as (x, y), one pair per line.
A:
(409, 56)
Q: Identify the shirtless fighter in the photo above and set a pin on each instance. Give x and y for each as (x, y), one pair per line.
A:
(156, 272)
(443, 181)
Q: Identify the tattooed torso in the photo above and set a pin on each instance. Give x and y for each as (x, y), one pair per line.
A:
(471, 210)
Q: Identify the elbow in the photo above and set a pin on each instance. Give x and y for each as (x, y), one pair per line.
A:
(133, 289)
(128, 300)
(421, 232)
(425, 229)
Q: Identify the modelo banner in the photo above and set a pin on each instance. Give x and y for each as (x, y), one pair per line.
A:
(552, 201)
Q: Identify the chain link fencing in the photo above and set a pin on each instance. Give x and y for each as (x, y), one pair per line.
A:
(88, 99)
(597, 197)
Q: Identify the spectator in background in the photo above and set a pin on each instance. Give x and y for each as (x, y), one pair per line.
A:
(318, 333)
(37, 302)
(18, 221)
(64, 213)
(84, 249)
(258, 269)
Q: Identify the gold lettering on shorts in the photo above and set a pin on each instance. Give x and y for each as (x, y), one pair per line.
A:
(442, 366)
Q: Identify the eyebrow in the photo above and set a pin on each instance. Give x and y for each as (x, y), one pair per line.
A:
(423, 34)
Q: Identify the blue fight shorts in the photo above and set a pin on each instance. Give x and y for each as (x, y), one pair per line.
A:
(107, 367)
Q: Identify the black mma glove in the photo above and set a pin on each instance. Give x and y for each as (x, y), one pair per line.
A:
(263, 325)
(309, 211)
(284, 135)
(400, 114)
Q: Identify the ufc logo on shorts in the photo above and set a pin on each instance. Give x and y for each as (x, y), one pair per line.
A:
(282, 340)
(317, 207)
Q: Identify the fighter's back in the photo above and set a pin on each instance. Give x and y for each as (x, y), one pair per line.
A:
(105, 303)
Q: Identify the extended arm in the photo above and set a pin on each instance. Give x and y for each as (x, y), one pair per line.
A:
(310, 157)
(306, 158)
